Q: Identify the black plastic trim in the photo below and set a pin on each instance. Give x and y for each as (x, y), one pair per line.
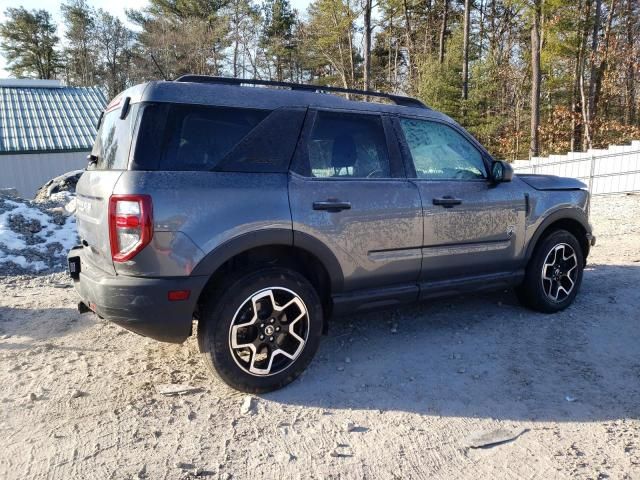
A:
(374, 298)
(397, 99)
(479, 283)
(323, 253)
(246, 241)
(268, 237)
(400, 294)
(563, 214)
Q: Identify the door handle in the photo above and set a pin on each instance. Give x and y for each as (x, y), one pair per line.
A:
(332, 205)
(447, 201)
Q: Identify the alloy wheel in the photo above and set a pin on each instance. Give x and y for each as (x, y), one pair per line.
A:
(269, 331)
(559, 272)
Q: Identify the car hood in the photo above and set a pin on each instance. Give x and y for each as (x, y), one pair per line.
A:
(551, 182)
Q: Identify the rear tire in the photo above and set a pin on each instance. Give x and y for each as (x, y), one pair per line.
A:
(554, 273)
(260, 330)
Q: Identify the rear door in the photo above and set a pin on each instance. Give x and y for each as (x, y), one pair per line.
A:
(111, 155)
(348, 190)
(471, 227)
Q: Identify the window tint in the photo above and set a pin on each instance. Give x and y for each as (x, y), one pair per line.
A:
(198, 138)
(263, 147)
(114, 139)
(441, 153)
(348, 145)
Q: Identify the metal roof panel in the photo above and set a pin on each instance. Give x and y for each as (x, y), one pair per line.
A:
(40, 119)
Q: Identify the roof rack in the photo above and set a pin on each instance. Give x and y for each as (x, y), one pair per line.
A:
(397, 99)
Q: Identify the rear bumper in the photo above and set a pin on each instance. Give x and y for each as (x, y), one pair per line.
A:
(139, 304)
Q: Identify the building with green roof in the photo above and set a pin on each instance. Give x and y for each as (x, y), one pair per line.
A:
(46, 129)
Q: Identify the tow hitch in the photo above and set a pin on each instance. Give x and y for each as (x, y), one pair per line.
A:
(82, 308)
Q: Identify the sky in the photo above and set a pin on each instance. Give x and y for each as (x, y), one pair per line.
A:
(115, 7)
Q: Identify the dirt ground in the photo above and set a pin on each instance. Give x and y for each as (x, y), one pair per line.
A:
(79, 396)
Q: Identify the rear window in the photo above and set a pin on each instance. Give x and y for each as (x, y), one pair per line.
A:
(114, 139)
(203, 138)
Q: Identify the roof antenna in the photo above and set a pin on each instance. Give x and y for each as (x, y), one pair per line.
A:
(158, 67)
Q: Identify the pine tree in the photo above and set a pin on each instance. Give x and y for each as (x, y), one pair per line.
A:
(28, 41)
(80, 53)
(277, 38)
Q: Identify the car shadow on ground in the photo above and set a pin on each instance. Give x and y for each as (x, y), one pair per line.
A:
(485, 356)
(40, 324)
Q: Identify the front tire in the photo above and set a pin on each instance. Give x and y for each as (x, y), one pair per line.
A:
(260, 330)
(554, 273)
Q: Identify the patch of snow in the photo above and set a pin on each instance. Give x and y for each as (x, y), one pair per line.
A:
(35, 237)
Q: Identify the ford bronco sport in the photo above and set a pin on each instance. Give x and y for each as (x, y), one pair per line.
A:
(260, 212)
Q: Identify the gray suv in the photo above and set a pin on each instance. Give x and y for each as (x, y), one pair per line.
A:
(260, 209)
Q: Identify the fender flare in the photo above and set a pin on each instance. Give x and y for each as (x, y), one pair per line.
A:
(318, 249)
(563, 214)
(272, 237)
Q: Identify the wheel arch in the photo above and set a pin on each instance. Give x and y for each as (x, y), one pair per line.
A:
(573, 221)
(286, 248)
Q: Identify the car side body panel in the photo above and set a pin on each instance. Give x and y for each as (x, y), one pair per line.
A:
(204, 210)
(377, 241)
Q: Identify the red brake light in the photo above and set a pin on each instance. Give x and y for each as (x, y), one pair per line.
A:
(130, 225)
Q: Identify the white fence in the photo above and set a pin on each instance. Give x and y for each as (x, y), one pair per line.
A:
(612, 170)
(28, 172)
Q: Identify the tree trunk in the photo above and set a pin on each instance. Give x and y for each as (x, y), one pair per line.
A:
(389, 63)
(576, 105)
(351, 60)
(481, 33)
(236, 39)
(465, 50)
(409, 33)
(588, 141)
(579, 108)
(535, 79)
(367, 44)
(443, 30)
(602, 68)
(630, 91)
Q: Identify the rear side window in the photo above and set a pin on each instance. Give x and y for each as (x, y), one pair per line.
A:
(348, 145)
(198, 138)
(114, 139)
(203, 138)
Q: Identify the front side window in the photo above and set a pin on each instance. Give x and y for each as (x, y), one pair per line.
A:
(348, 145)
(441, 153)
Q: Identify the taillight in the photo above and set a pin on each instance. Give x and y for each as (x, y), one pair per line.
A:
(130, 225)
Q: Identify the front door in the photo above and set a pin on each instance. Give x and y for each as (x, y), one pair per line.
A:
(348, 190)
(472, 228)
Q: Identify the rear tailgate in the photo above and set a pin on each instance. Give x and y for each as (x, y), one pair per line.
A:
(110, 157)
(92, 215)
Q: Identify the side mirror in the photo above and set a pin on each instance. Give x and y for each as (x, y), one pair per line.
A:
(501, 172)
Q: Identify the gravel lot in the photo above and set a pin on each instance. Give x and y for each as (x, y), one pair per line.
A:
(80, 396)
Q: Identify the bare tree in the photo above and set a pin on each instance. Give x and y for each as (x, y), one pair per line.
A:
(465, 50)
(630, 70)
(367, 45)
(443, 30)
(535, 77)
(589, 102)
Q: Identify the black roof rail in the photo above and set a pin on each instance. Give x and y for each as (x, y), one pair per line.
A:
(397, 99)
